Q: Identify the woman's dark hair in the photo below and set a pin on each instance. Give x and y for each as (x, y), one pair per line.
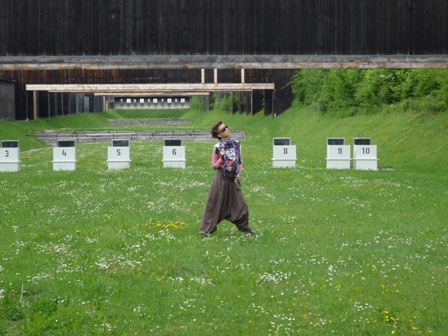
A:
(215, 129)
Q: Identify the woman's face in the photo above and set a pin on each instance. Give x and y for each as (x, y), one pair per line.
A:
(224, 131)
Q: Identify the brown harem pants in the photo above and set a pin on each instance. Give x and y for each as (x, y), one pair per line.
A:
(225, 201)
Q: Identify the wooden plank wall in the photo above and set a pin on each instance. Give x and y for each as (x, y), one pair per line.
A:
(7, 101)
(234, 27)
(206, 27)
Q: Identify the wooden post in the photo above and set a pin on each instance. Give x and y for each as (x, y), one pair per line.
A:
(242, 76)
(34, 105)
(215, 76)
(202, 76)
(251, 103)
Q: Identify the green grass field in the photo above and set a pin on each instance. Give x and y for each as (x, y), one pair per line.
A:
(100, 252)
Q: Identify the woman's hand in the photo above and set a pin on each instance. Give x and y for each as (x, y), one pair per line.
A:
(238, 177)
(222, 152)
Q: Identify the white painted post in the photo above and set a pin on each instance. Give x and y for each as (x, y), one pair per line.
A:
(119, 155)
(284, 154)
(338, 154)
(173, 154)
(64, 155)
(10, 156)
(364, 155)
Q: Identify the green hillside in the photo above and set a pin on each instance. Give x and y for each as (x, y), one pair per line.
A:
(406, 141)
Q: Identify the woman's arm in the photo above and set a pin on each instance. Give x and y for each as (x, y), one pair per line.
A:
(217, 158)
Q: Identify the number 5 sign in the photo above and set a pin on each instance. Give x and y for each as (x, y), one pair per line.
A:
(119, 155)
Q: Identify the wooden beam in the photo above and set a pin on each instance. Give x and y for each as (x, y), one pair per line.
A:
(222, 62)
(146, 88)
(151, 94)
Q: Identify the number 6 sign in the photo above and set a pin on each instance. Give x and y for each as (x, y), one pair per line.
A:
(173, 154)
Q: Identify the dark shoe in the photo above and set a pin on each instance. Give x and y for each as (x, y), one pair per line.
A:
(205, 235)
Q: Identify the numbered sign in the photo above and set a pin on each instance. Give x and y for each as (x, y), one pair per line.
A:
(338, 154)
(284, 154)
(173, 154)
(119, 155)
(64, 155)
(10, 156)
(364, 155)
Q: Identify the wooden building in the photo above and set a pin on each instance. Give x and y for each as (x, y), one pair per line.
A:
(7, 101)
(170, 41)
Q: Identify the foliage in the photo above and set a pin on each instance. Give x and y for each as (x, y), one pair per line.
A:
(418, 90)
(197, 103)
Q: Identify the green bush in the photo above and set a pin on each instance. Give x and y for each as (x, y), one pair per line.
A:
(420, 90)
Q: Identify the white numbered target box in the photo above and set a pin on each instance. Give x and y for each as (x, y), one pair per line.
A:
(10, 156)
(338, 154)
(119, 154)
(284, 154)
(173, 154)
(364, 155)
(64, 155)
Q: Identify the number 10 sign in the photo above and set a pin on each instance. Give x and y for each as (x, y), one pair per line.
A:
(364, 155)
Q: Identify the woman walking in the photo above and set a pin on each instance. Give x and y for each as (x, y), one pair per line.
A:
(225, 199)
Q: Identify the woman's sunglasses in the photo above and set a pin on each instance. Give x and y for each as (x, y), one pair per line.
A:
(223, 129)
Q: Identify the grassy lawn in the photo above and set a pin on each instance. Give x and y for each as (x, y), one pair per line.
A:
(100, 252)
